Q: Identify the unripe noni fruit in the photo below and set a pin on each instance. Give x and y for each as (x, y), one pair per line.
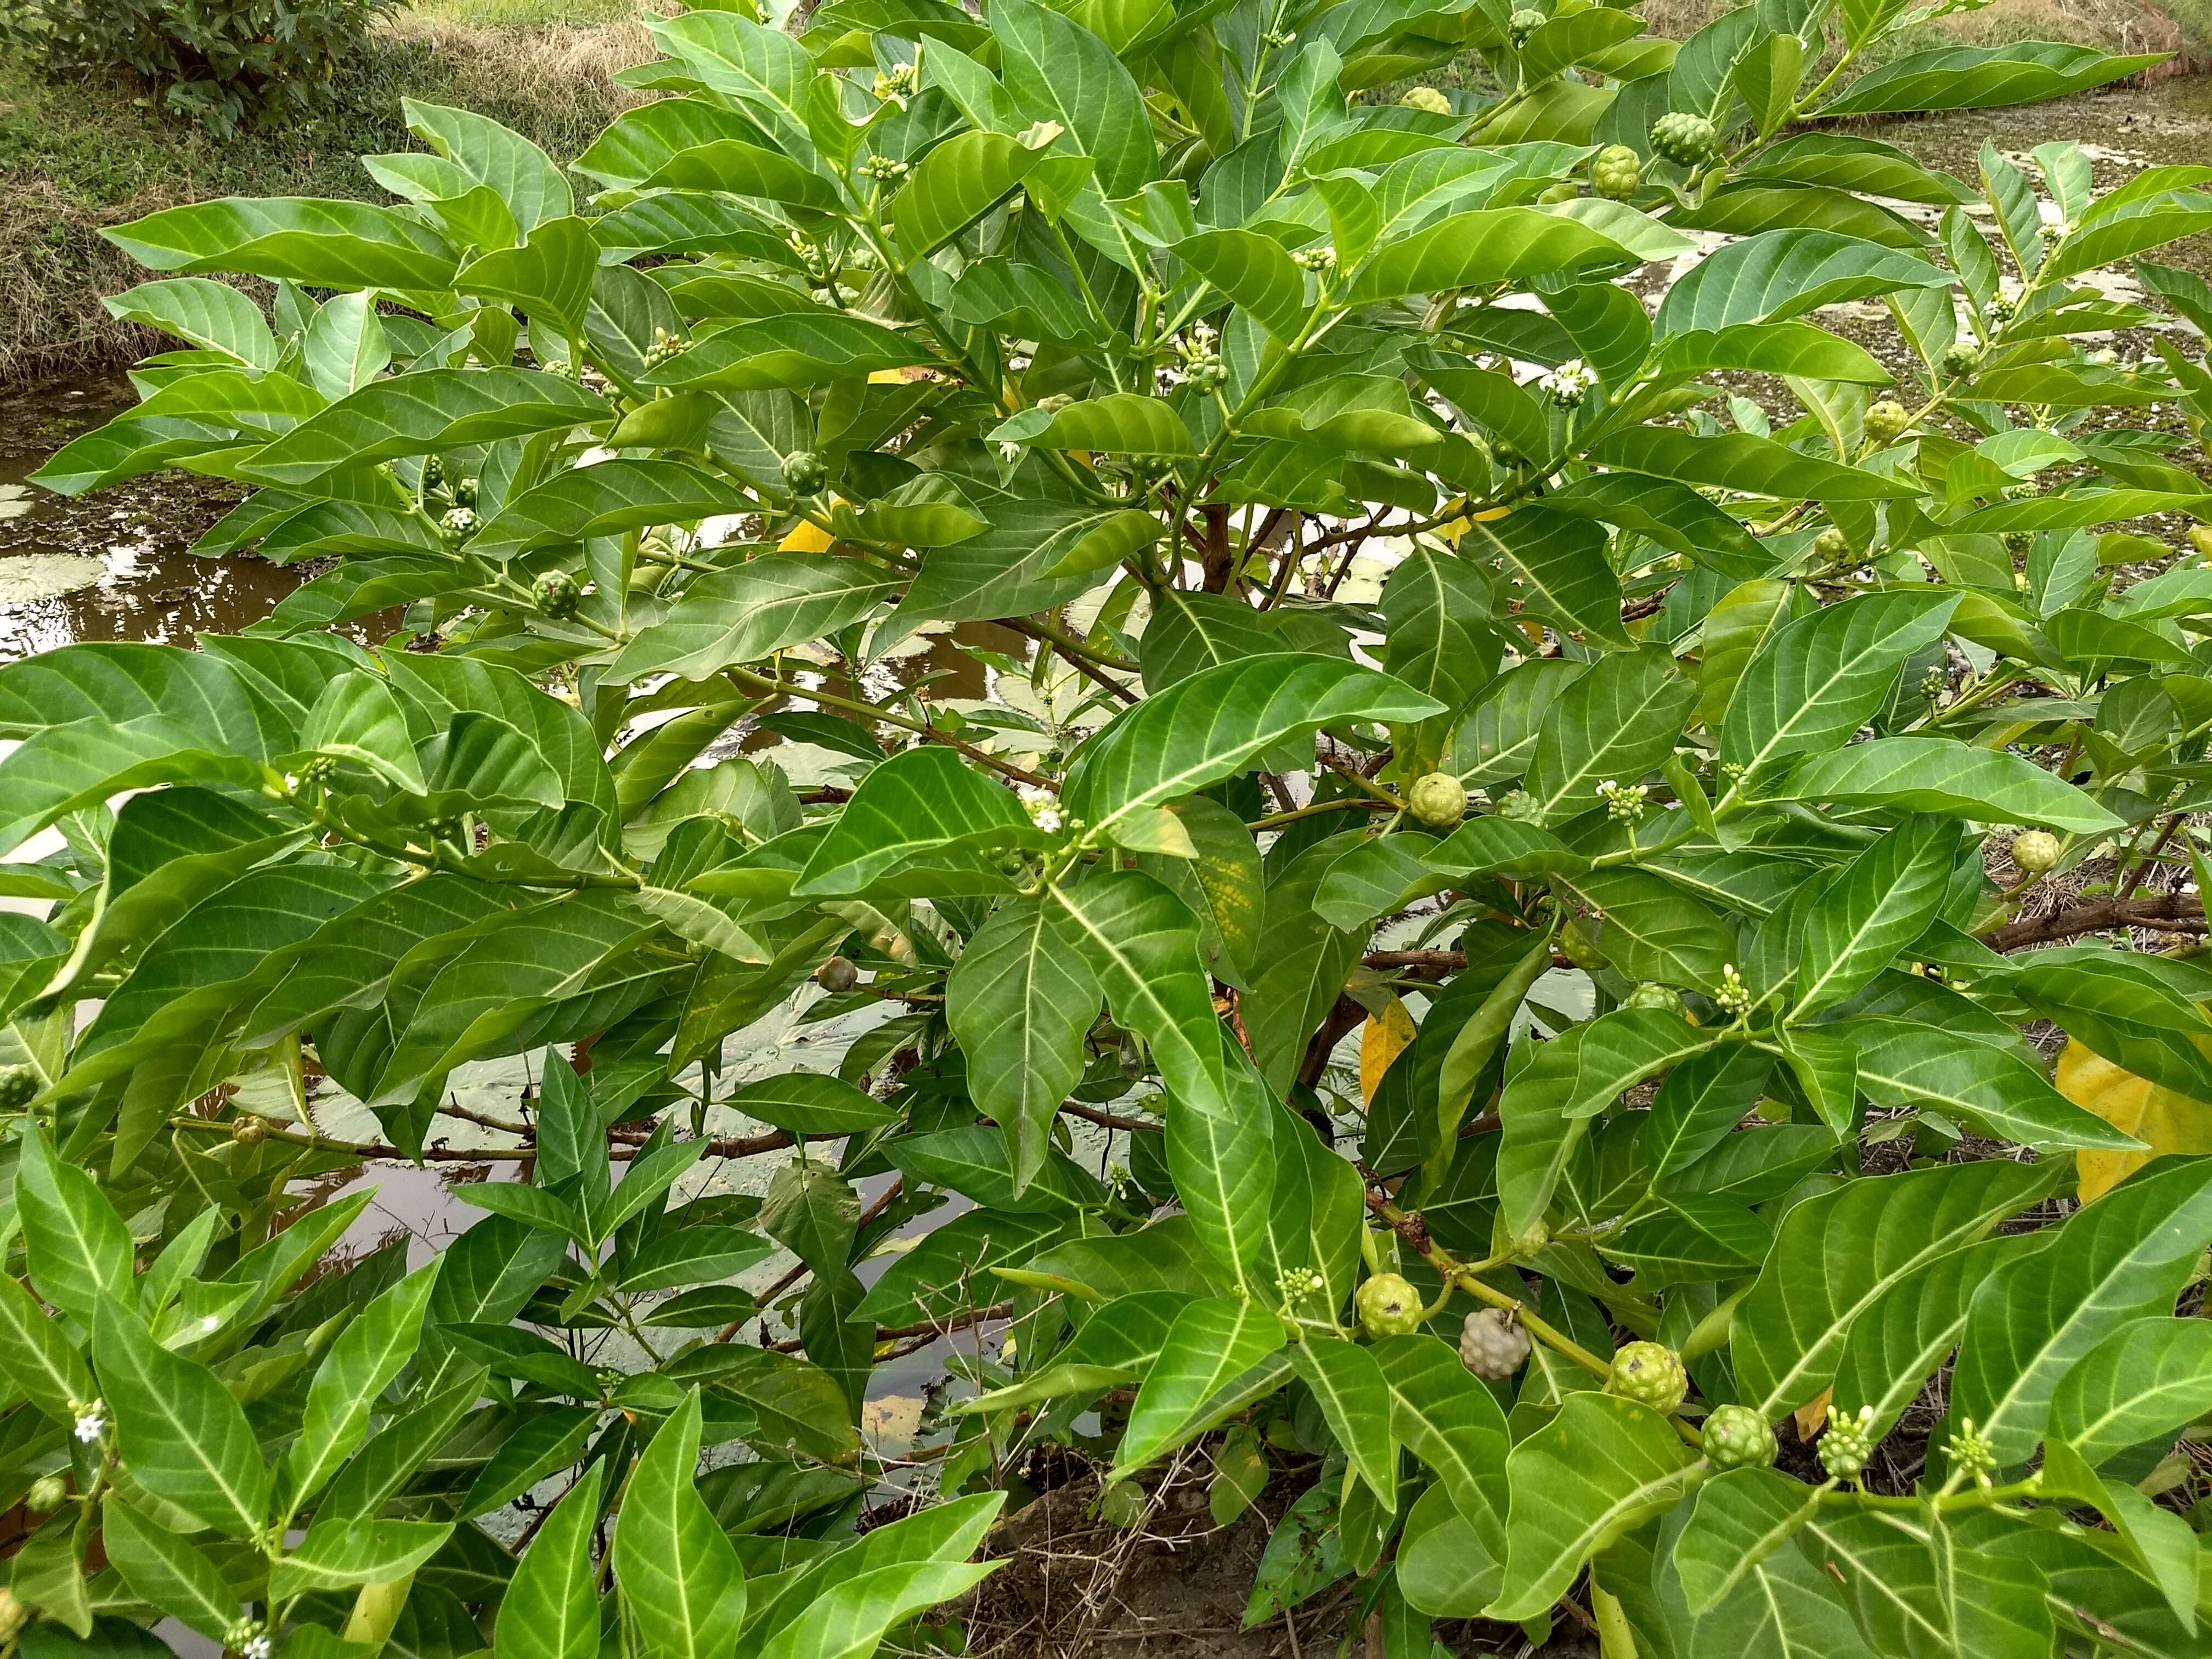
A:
(2200, 537)
(1738, 1438)
(558, 595)
(1665, 998)
(457, 525)
(1492, 1344)
(1652, 1373)
(48, 1493)
(1438, 799)
(806, 472)
(1961, 358)
(1617, 172)
(1832, 544)
(1885, 421)
(1520, 806)
(1427, 99)
(838, 974)
(1389, 1306)
(1522, 24)
(1684, 139)
(2035, 851)
(248, 1130)
(19, 1087)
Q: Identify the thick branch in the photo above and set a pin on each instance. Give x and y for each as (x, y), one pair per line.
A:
(2168, 912)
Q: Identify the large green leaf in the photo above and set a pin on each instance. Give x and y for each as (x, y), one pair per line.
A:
(170, 1571)
(1614, 724)
(361, 1364)
(1837, 1253)
(680, 1579)
(1020, 999)
(427, 412)
(1601, 1466)
(1815, 682)
(1478, 248)
(1217, 1356)
(920, 801)
(1874, 909)
(78, 1248)
(1744, 461)
(331, 244)
(1978, 77)
(184, 1439)
(955, 185)
(2118, 1260)
(1210, 726)
(605, 499)
(1905, 1063)
(752, 611)
(2146, 1380)
(1935, 775)
(551, 1608)
(1780, 274)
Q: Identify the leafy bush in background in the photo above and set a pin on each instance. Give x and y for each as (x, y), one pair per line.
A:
(227, 62)
(1638, 821)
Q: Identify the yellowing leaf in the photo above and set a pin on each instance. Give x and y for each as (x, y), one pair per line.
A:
(2168, 1121)
(1381, 1040)
(1812, 1414)
(805, 537)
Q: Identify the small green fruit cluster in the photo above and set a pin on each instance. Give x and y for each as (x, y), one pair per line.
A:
(1522, 24)
(1738, 1438)
(1684, 139)
(1650, 1372)
(1617, 172)
(1961, 358)
(1389, 1306)
(1664, 998)
(19, 1087)
(1427, 100)
(1848, 1443)
(458, 524)
(805, 471)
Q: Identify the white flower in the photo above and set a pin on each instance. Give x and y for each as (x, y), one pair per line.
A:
(1567, 384)
(259, 1648)
(90, 1426)
(1043, 808)
(1010, 452)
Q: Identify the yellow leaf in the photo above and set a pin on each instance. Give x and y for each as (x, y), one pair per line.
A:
(805, 537)
(1382, 1040)
(1812, 1414)
(2165, 1120)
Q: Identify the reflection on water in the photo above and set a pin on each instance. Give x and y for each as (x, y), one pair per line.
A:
(148, 587)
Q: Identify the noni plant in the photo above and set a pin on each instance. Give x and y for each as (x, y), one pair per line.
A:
(1396, 620)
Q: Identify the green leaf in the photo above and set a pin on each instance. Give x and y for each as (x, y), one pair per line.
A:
(1616, 723)
(35, 1356)
(428, 412)
(1817, 680)
(547, 278)
(328, 244)
(1210, 726)
(1601, 1466)
(345, 1554)
(765, 70)
(812, 1102)
(1780, 274)
(1254, 272)
(1943, 774)
(1355, 1399)
(2146, 1380)
(1020, 999)
(1556, 567)
(1217, 1355)
(79, 1250)
(956, 184)
(361, 1364)
(524, 177)
(210, 314)
(2126, 1013)
(1478, 249)
(1982, 78)
(922, 800)
(1875, 906)
(1740, 460)
(1835, 1254)
(1623, 1047)
(605, 499)
(1740, 1517)
(1120, 422)
(750, 612)
(1701, 1101)
(1904, 1063)
(1055, 69)
(1651, 929)
(1900, 1341)
(552, 1607)
(679, 1575)
(803, 350)
(1453, 1423)
(170, 1571)
(2116, 1260)
(184, 1439)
